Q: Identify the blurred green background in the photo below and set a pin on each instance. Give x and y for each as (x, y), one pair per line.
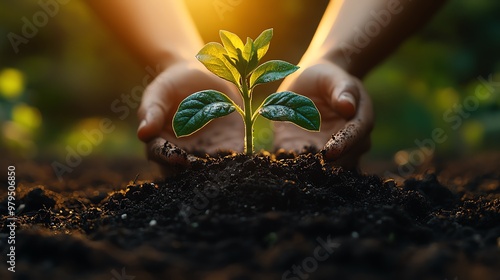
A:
(67, 76)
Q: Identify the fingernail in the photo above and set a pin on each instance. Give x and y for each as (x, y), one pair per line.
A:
(142, 124)
(345, 96)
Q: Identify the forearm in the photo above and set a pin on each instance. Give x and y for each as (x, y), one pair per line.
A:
(358, 35)
(158, 31)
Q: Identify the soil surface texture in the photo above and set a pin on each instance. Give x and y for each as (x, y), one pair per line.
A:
(271, 216)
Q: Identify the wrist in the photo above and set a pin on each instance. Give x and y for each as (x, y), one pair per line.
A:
(166, 59)
(332, 55)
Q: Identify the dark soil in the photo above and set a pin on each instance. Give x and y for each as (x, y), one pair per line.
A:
(266, 217)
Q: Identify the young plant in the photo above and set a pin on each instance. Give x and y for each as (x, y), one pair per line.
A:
(238, 63)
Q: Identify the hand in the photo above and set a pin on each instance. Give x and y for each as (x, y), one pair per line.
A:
(159, 104)
(346, 114)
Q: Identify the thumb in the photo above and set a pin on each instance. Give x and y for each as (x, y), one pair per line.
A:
(152, 121)
(154, 106)
(344, 99)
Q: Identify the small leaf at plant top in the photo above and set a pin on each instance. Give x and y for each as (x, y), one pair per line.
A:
(292, 107)
(262, 43)
(248, 50)
(271, 71)
(212, 56)
(200, 108)
(231, 42)
(250, 56)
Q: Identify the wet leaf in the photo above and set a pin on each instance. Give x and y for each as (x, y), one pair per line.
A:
(292, 107)
(271, 71)
(200, 108)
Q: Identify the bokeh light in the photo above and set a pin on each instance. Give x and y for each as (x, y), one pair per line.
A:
(11, 83)
(26, 116)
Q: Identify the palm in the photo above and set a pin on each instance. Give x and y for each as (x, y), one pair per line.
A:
(178, 82)
(345, 128)
(291, 137)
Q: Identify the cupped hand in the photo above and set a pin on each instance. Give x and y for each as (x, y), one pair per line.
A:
(159, 104)
(346, 113)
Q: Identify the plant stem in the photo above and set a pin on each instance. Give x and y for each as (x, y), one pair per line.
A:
(247, 100)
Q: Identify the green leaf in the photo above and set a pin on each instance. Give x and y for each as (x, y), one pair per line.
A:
(231, 61)
(271, 71)
(231, 42)
(262, 43)
(248, 50)
(200, 108)
(241, 64)
(292, 107)
(212, 56)
(250, 56)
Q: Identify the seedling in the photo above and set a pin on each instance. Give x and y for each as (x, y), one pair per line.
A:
(238, 63)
